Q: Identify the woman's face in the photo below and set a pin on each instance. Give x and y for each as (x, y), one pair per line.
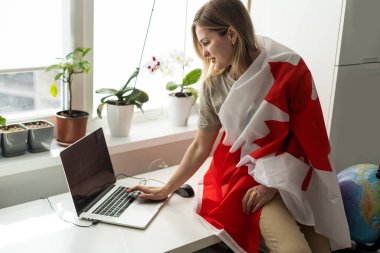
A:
(216, 48)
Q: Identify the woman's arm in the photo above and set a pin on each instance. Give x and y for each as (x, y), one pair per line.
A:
(194, 157)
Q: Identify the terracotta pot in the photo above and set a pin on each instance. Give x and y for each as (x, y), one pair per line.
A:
(71, 129)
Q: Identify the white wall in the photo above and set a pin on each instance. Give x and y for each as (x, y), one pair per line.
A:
(335, 38)
(310, 28)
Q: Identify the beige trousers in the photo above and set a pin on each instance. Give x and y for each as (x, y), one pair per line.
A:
(280, 233)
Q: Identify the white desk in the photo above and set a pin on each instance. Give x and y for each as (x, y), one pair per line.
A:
(34, 227)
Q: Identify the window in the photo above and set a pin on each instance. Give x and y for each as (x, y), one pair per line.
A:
(115, 29)
(31, 37)
(119, 32)
(25, 94)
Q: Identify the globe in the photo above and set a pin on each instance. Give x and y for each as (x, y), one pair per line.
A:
(361, 198)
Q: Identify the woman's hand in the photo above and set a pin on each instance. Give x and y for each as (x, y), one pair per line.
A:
(194, 157)
(149, 192)
(256, 197)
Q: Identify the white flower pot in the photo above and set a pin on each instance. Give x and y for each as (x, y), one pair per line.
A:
(119, 119)
(179, 109)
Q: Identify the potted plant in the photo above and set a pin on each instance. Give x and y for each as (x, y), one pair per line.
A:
(182, 96)
(121, 102)
(2, 120)
(120, 106)
(13, 139)
(40, 135)
(71, 124)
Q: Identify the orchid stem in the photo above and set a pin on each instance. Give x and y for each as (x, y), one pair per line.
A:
(146, 36)
(184, 43)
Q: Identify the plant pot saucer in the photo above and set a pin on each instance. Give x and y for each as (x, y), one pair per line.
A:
(63, 144)
(37, 150)
(13, 154)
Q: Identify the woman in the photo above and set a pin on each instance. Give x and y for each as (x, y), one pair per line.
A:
(270, 176)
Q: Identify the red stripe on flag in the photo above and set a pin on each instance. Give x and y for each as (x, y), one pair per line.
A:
(306, 181)
(223, 190)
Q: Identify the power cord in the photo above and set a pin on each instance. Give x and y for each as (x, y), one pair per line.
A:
(142, 181)
(78, 225)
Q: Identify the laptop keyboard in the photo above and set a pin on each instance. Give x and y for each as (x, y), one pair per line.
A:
(116, 203)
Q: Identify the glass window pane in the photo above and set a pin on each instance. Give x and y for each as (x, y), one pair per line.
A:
(119, 31)
(31, 37)
(27, 94)
(31, 32)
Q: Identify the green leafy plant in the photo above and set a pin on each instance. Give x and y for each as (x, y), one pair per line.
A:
(2, 121)
(184, 88)
(127, 95)
(73, 64)
(123, 96)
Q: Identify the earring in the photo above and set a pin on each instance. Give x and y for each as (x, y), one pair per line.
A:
(233, 43)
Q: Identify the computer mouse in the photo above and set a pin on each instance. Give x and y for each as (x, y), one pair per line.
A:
(185, 191)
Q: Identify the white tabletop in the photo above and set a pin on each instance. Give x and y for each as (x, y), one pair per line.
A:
(34, 227)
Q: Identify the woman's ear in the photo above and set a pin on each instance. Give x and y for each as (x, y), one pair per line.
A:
(232, 34)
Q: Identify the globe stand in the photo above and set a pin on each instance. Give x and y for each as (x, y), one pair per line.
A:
(362, 248)
(368, 248)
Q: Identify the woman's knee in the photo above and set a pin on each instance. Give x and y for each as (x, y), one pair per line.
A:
(284, 246)
(279, 231)
(293, 248)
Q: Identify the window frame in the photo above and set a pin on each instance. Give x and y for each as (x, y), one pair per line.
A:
(78, 27)
(80, 32)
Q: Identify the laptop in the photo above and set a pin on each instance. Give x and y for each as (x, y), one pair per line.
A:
(95, 192)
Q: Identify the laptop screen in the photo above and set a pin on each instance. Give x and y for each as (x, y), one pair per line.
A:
(88, 168)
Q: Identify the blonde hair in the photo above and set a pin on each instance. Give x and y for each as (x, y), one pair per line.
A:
(218, 16)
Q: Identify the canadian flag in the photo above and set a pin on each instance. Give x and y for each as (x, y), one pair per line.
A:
(274, 134)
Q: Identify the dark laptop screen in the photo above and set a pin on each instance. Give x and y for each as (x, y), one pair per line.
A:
(88, 168)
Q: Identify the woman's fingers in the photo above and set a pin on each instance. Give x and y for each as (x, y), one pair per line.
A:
(148, 192)
(137, 188)
(256, 207)
(256, 197)
(250, 200)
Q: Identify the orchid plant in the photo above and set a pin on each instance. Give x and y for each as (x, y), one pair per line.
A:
(126, 95)
(169, 65)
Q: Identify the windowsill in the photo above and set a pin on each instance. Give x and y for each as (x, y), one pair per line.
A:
(144, 134)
